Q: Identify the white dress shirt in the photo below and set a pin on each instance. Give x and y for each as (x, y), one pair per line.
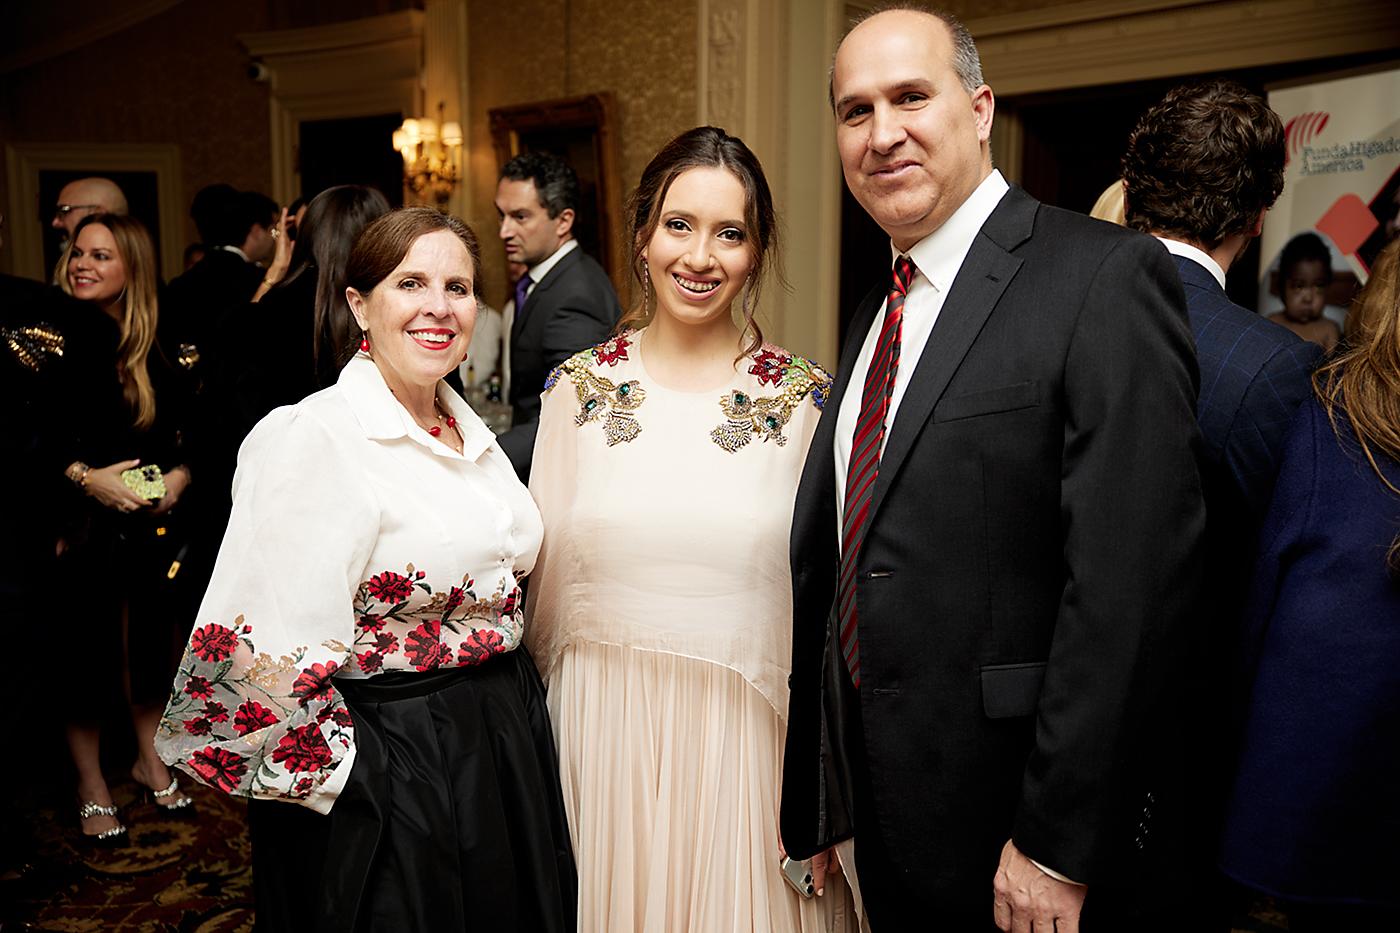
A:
(1195, 254)
(937, 258)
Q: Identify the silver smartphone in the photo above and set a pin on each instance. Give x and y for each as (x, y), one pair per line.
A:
(799, 876)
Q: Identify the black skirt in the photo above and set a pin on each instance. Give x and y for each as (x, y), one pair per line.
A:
(451, 818)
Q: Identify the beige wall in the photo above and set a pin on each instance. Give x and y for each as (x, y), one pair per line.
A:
(178, 77)
(643, 51)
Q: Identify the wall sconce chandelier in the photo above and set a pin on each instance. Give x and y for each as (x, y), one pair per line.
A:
(430, 150)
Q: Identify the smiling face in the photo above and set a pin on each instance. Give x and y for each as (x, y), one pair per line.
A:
(912, 140)
(529, 234)
(420, 317)
(700, 253)
(96, 270)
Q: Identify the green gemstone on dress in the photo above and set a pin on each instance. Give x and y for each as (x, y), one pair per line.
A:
(771, 422)
(590, 404)
(624, 389)
(740, 398)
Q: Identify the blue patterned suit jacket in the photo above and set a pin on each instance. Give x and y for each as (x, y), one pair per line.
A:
(1254, 375)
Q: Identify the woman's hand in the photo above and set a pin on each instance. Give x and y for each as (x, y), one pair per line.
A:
(106, 486)
(281, 257)
(176, 482)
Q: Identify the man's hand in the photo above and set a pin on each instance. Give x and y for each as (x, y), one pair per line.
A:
(824, 863)
(1027, 900)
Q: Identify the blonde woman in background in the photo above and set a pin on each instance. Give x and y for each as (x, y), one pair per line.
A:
(122, 539)
(1109, 206)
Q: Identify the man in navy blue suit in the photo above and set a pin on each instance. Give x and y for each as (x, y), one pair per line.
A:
(1201, 170)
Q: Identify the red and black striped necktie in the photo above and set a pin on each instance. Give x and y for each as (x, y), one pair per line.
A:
(864, 464)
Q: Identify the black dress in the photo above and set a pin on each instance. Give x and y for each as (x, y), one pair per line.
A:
(128, 565)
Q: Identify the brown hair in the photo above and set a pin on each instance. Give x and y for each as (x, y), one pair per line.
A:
(384, 243)
(1203, 164)
(1362, 382)
(705, 147)
(139, 312)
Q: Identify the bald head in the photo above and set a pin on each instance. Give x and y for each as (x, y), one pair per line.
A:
(86, 196)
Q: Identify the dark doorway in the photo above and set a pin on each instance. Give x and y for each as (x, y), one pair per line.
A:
(142, 199)
(351, 151)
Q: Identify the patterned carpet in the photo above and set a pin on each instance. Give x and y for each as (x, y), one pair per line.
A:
(178, 875)
(191, 875)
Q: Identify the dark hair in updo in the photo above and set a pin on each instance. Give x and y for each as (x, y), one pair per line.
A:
(384, 244)
(705, 147)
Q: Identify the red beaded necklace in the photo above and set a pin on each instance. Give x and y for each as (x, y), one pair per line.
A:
(436, 430)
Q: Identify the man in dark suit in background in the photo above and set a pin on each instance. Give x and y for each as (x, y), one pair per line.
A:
(563, 303)
(237, 232)
(204, 315)
(995, 539)
(1201, 170)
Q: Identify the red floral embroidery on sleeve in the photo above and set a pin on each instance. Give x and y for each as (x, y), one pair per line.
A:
(220, 767)
(303, 749)
(314, 683)
(199, 688)
(213, 642)
(252, 716)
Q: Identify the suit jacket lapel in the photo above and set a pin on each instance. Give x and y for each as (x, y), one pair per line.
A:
(537, 293)
(980, 282)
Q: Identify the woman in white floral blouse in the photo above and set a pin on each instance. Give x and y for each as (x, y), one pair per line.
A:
(357, 651)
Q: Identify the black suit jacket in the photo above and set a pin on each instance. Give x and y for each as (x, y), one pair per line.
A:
(574, 307)
(198, 303)
(1030, 562)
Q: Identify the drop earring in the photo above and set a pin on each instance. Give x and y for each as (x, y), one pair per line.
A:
(646, 286)
(364, 342)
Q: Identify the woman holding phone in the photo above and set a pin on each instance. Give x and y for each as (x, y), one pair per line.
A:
(122, 545)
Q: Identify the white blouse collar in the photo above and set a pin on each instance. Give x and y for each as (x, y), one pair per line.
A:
(383, 418)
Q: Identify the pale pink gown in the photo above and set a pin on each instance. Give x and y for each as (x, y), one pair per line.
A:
(660, 616)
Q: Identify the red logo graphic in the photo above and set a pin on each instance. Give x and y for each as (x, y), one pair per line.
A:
(1301, 130)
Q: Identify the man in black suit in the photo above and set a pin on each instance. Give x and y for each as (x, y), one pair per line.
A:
(564, 302)
(204, 313)
(1202, 168)
(995, 539)
(237, 231)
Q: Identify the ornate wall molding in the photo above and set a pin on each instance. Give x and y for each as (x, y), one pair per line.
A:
(1108, 41)
(352, 69)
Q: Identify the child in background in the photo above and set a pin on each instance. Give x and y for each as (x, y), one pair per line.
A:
(1304, 272)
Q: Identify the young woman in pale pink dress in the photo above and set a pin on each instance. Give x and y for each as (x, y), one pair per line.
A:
(660, 611)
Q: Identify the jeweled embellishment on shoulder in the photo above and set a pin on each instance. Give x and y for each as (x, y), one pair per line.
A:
(33, 346)
(600, 398)
(765, 417)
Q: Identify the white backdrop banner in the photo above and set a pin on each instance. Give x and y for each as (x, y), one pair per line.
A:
(1341, 180)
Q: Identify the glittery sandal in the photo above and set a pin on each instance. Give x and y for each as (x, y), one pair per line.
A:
(109, 838)
(183, 806)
